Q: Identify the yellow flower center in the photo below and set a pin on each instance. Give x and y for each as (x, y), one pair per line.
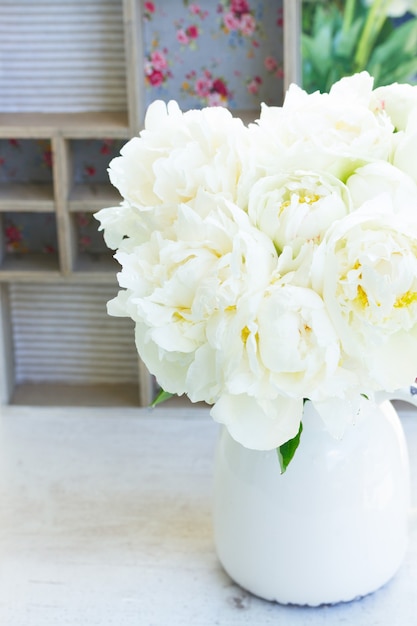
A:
(245, 334)
(179, 316)
(406, 299)
(361, 297)
(283, 206)
(304, 197)
(308, 198)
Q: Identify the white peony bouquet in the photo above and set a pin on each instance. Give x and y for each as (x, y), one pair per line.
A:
(274, 263)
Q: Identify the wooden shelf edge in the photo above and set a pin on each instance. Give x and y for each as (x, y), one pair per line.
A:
(39, 267)
(93, 278)
(27, 197)
(70, 394)
(41, 277)
(85, 125)
(35, 276)
(92, 197)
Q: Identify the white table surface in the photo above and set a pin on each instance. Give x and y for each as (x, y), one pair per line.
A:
(105, 520)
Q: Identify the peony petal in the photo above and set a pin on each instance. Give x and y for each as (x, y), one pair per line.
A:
(256, 424)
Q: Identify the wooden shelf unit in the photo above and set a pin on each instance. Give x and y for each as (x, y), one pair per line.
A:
(64, 198)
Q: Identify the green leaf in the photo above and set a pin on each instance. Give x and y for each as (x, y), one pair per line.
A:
(399, 49)
(287, 450)
(347, 41)
(319, 49)
(162, 396)
(404, 73)
(331, 38)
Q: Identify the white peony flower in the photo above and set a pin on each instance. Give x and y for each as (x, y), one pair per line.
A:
(275, 348)
(397, 100)
(259, 424)
(120, 222)
(276, 341)
(333, 133)
(366, 271)
(404, 156)
(297, 342)
(381, 177)
(178, 154)
(298, 207)
(176, 284)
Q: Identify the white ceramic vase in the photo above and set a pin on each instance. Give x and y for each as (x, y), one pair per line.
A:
(332, 528)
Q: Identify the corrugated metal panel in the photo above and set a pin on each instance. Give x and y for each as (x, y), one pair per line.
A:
(62, 56)
(63, 333)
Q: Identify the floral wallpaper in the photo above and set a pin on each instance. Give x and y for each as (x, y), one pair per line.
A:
(209, 53)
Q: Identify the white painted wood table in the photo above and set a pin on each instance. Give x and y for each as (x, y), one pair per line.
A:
(105, 520)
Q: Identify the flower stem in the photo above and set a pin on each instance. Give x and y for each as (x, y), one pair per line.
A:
(373, 24)
(348, 15)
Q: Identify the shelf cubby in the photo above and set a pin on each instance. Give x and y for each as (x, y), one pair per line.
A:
(26, 175)
(28, 243)
(89, 187)
(66, 349)
(92, 254)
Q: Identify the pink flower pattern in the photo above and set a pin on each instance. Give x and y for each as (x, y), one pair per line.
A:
(209, 88)
(188, 27)
(238, 17)
(254, 85)
(157, 69)
(227, 52)
(148, 10)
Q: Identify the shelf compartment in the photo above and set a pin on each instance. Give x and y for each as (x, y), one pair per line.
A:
(28, 242)
(90, 188)
(25, 160)
(27, 197)
(91, 253)
(71, 352)
(73, 59)
(91, 157)
(26, 175)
